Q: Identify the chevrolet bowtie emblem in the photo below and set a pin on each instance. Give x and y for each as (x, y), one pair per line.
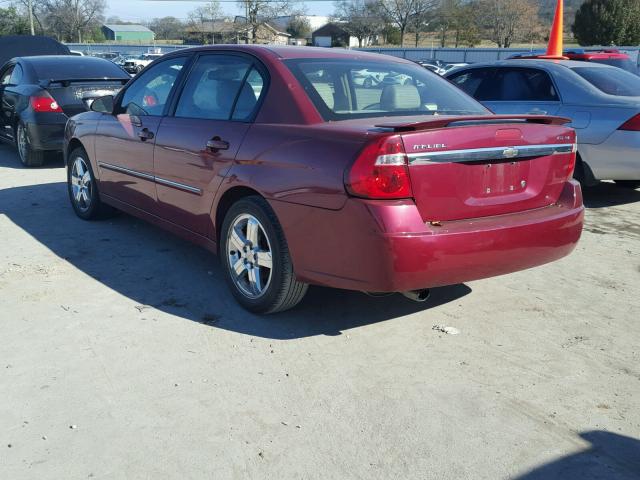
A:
(510, 152)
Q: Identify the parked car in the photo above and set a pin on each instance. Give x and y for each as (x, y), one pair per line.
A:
(451, 66)
(612, 57)
(137, 64)
(38, 95)
(603, 103)
(312, 179)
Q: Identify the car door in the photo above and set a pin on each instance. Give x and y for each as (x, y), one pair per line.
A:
(197, 144)
(7, 101)
(125, 139)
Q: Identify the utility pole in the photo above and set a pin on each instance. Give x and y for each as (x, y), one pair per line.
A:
(30, 6)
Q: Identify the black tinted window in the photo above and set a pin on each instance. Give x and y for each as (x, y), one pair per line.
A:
(6, 76)
(475, 82)
(74, 68)
(216, 85)
(149, 92)
(524, 85)
(342, 89)
(612, 81)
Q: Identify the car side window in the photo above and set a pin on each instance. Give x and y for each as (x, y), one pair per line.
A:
(525, 85)
(16, 76)
(220, 87)
(148, 94)
(476, 82)
(6, 76)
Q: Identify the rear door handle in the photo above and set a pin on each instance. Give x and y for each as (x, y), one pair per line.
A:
(217, 144)
(145, 134)
(537, 111)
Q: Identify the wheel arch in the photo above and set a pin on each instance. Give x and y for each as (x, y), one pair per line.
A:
(71, 146)
(228, 198)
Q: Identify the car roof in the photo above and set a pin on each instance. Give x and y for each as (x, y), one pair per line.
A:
(295, 52)
(534, 62)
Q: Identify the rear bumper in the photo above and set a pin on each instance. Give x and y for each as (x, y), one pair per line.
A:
(385, 246)
(617, 158)
(46, 136)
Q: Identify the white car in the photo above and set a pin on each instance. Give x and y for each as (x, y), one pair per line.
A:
(136, 64)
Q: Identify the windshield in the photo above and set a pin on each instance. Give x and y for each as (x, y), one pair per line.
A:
(345, 89)
(623, 63)
(612, 81)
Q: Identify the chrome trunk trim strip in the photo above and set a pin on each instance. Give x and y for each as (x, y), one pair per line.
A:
(492, 153)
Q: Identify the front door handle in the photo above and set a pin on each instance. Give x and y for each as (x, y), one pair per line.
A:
(145, 134)
(217, 144)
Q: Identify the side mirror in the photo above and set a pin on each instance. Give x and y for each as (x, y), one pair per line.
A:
(103, 104)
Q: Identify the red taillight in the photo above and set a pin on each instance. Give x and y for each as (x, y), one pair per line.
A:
(45, 103)
(632, 124)
(380, 171)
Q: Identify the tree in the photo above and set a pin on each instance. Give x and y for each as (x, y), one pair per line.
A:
(363, 20)
(167, 28)
(507, 21)
(608, 22)
(401, 12)
(258, 12)
(12, 23)
(70, 19)
(201, 20)
(299, 27)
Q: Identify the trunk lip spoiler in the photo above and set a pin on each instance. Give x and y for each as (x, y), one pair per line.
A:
(68, 81)
(446, 121)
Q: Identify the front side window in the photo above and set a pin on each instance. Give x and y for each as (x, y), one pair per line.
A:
(343, 89)
(148, 94)
(6, 76)
(220, 87)
(612, 81)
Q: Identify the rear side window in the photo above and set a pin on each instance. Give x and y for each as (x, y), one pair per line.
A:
(612, 81)
(623, 63)
(220, 87)
(344, 89)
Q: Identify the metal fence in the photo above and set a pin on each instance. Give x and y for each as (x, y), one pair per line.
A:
(452, 55)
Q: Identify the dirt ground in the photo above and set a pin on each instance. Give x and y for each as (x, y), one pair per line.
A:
(123, 356)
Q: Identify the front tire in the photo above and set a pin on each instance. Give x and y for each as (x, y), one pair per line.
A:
(255, 258)
(631, 184)
(83, 188)
(29, 157)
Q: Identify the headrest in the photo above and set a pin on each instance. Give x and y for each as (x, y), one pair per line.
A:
(400, 97)
(223, 74)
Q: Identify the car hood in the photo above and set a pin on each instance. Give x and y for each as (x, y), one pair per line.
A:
(26, 45)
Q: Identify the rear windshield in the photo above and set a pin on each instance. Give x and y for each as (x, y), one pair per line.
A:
(623, 63)
(75, 68)
(345, 89)
(612, 81)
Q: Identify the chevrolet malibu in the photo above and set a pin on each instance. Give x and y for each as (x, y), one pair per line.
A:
(280, 161)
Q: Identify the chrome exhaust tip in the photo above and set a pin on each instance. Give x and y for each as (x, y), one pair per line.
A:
(417, 295)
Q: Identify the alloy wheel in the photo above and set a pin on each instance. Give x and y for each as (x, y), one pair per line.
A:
(81, 184)
(249, 255)
(23, 143)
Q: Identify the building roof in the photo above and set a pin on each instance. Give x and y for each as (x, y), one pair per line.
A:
(127, 28)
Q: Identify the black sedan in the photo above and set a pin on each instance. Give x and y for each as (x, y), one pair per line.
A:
(38, 95)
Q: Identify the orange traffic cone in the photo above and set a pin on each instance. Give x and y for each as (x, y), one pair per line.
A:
(554, 49)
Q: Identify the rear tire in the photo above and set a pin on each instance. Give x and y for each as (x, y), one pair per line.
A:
(255, 258)
(83, 188)
(631, 184)
(29, 157)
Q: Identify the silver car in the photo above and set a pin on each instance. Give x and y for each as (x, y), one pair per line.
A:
(602, 101)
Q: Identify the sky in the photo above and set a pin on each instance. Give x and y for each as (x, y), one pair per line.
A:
(144, 10)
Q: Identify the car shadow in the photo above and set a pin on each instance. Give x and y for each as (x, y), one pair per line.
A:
(610, 456)
(9, 159)
(608, 194)
(160, 271)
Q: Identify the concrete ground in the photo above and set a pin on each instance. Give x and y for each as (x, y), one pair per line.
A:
(123, 356)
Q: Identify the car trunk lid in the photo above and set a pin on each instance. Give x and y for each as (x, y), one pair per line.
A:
(470, 167)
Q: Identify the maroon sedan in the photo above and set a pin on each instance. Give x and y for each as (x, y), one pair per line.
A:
(297, 172)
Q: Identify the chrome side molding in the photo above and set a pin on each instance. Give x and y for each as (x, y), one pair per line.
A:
(151, 178)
